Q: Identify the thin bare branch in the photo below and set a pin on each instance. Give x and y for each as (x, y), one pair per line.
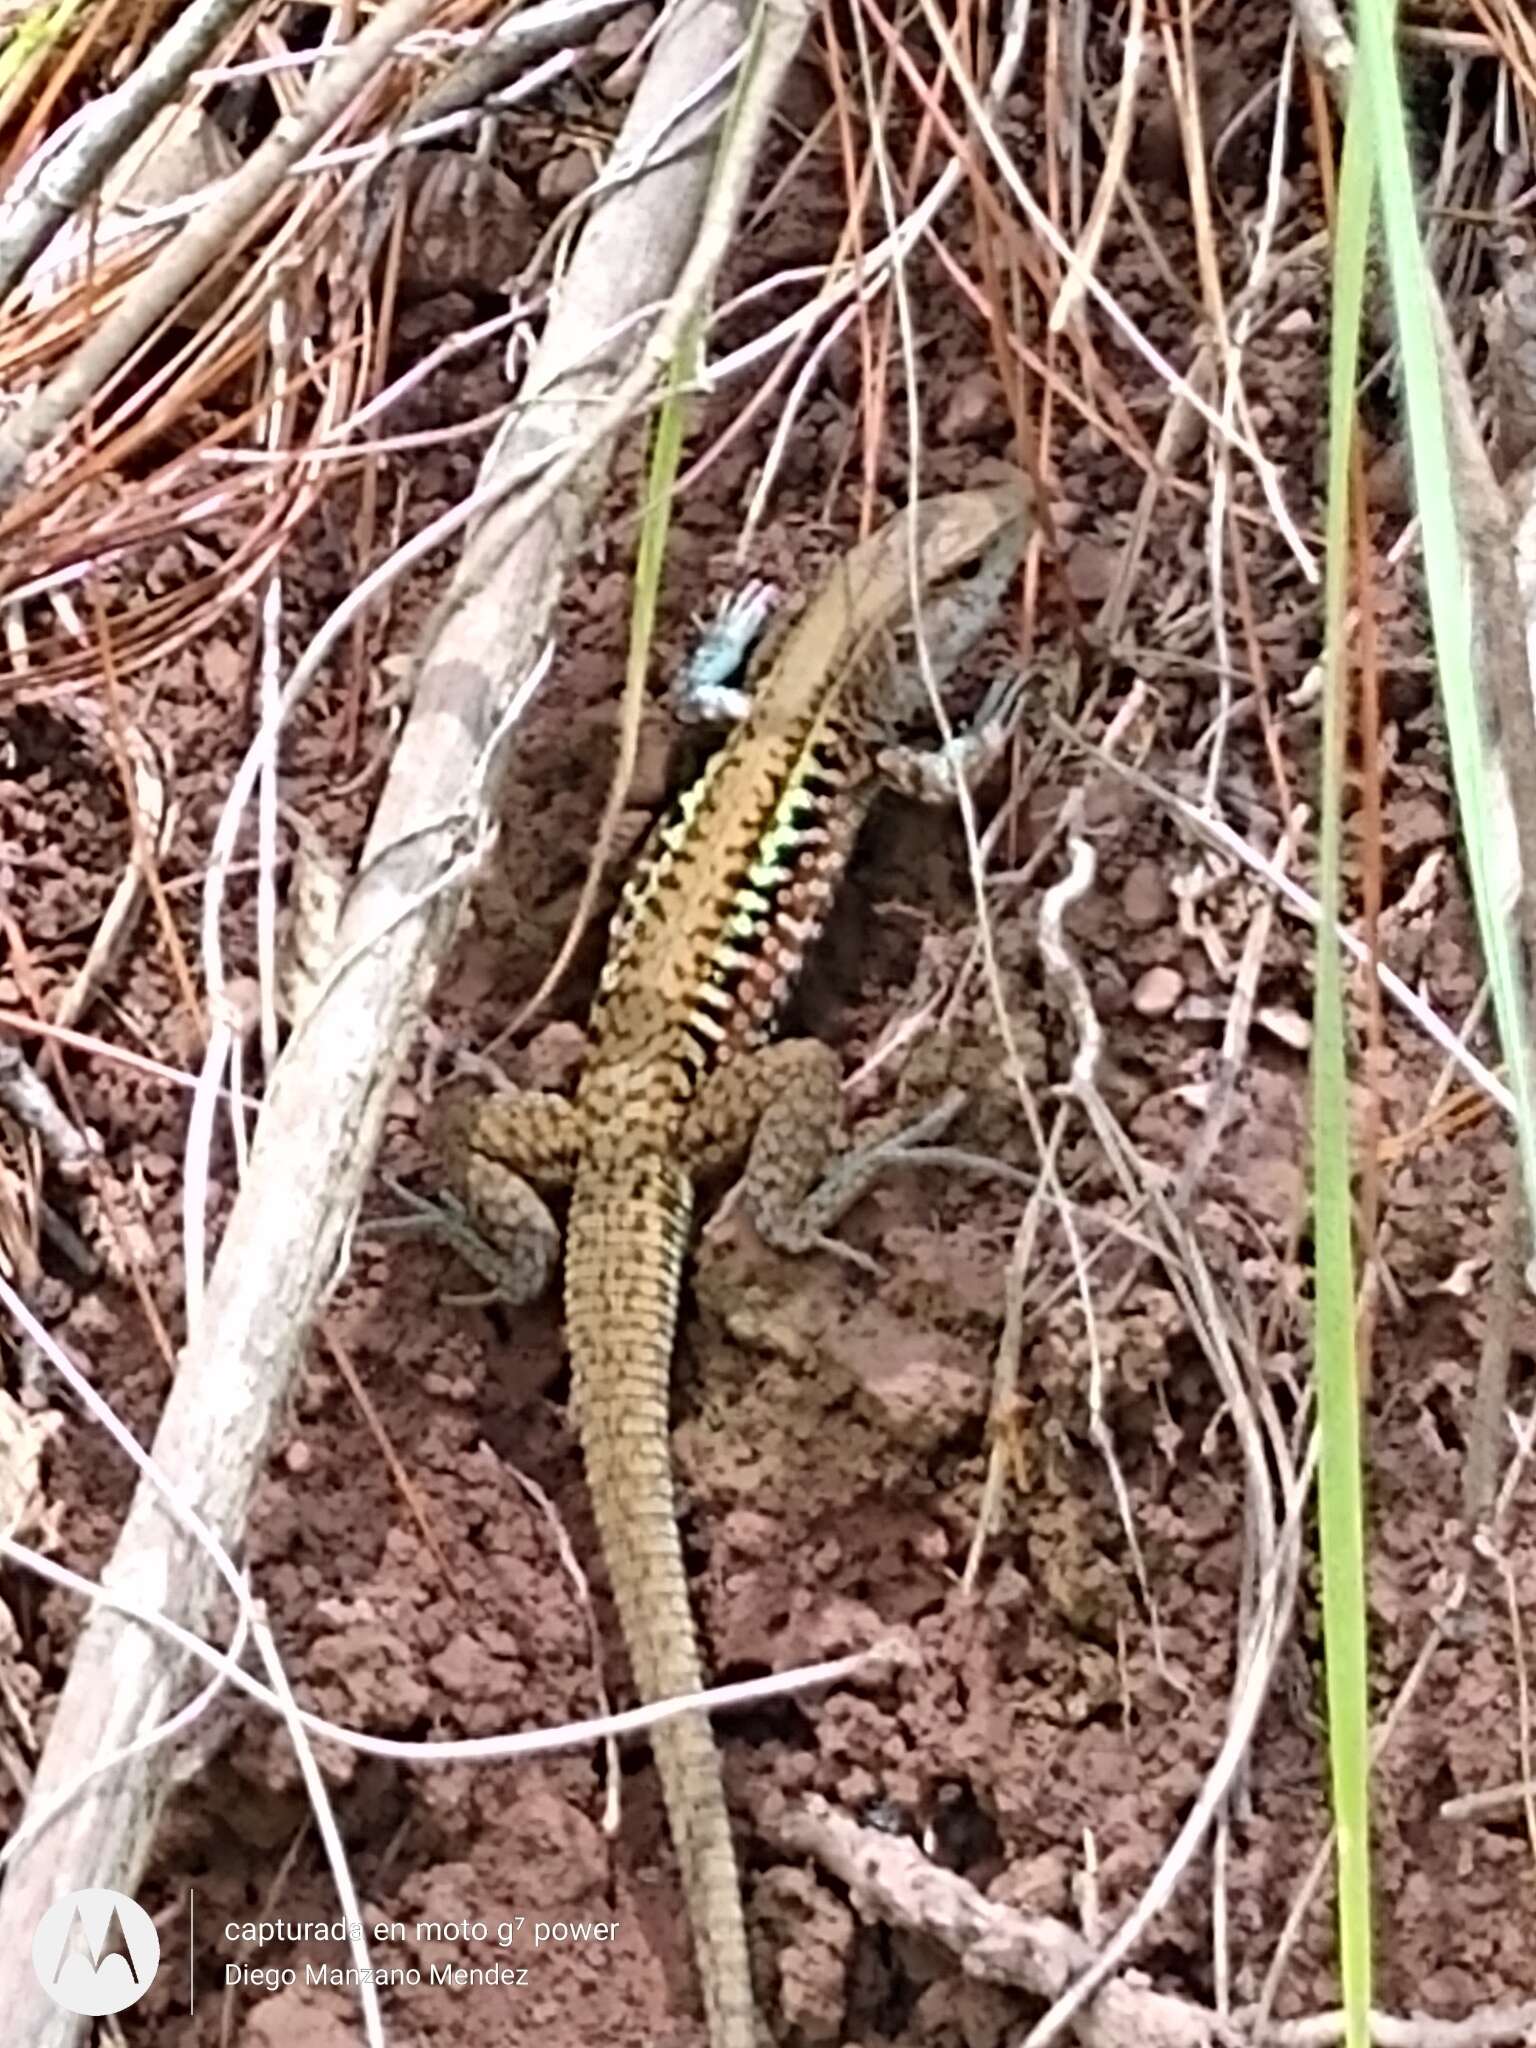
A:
(890, 1879)
(59, 187)
(205, 241)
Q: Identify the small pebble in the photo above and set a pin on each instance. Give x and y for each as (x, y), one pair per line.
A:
(975, 405)
(1157, 992)
(1146, 899)
(1091, 570)
(1288, 1026)
(555, 1056)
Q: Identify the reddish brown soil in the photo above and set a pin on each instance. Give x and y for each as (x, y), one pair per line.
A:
(830, 1428)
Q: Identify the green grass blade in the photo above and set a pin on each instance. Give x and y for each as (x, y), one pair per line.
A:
(656, 515)
(1340, 1503)
(39, 26)
(1445, 566)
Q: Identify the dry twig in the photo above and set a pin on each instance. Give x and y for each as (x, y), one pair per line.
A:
(205, 243)
(891, 1880)
(55, 192)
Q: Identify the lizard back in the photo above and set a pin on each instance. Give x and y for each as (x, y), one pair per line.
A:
(738, 878)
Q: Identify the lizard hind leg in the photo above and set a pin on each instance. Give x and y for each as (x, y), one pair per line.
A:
(782, 1107)
(493, 1146)
(779, 1107)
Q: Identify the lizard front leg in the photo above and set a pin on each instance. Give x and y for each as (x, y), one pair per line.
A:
(932, 775)
(707, 690)
(493, 1148)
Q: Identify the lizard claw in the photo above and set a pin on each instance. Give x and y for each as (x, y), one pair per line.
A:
(849, 1254)
(932, 1124)
(1004, 699)
(851, 1178)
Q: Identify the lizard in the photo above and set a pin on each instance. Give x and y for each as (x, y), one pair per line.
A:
(680, 1079)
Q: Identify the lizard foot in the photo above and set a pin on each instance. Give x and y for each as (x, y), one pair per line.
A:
(705, 692)
(933, 775)
(895, 1138)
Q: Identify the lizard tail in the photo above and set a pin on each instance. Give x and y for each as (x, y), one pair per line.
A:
(624, 1259)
